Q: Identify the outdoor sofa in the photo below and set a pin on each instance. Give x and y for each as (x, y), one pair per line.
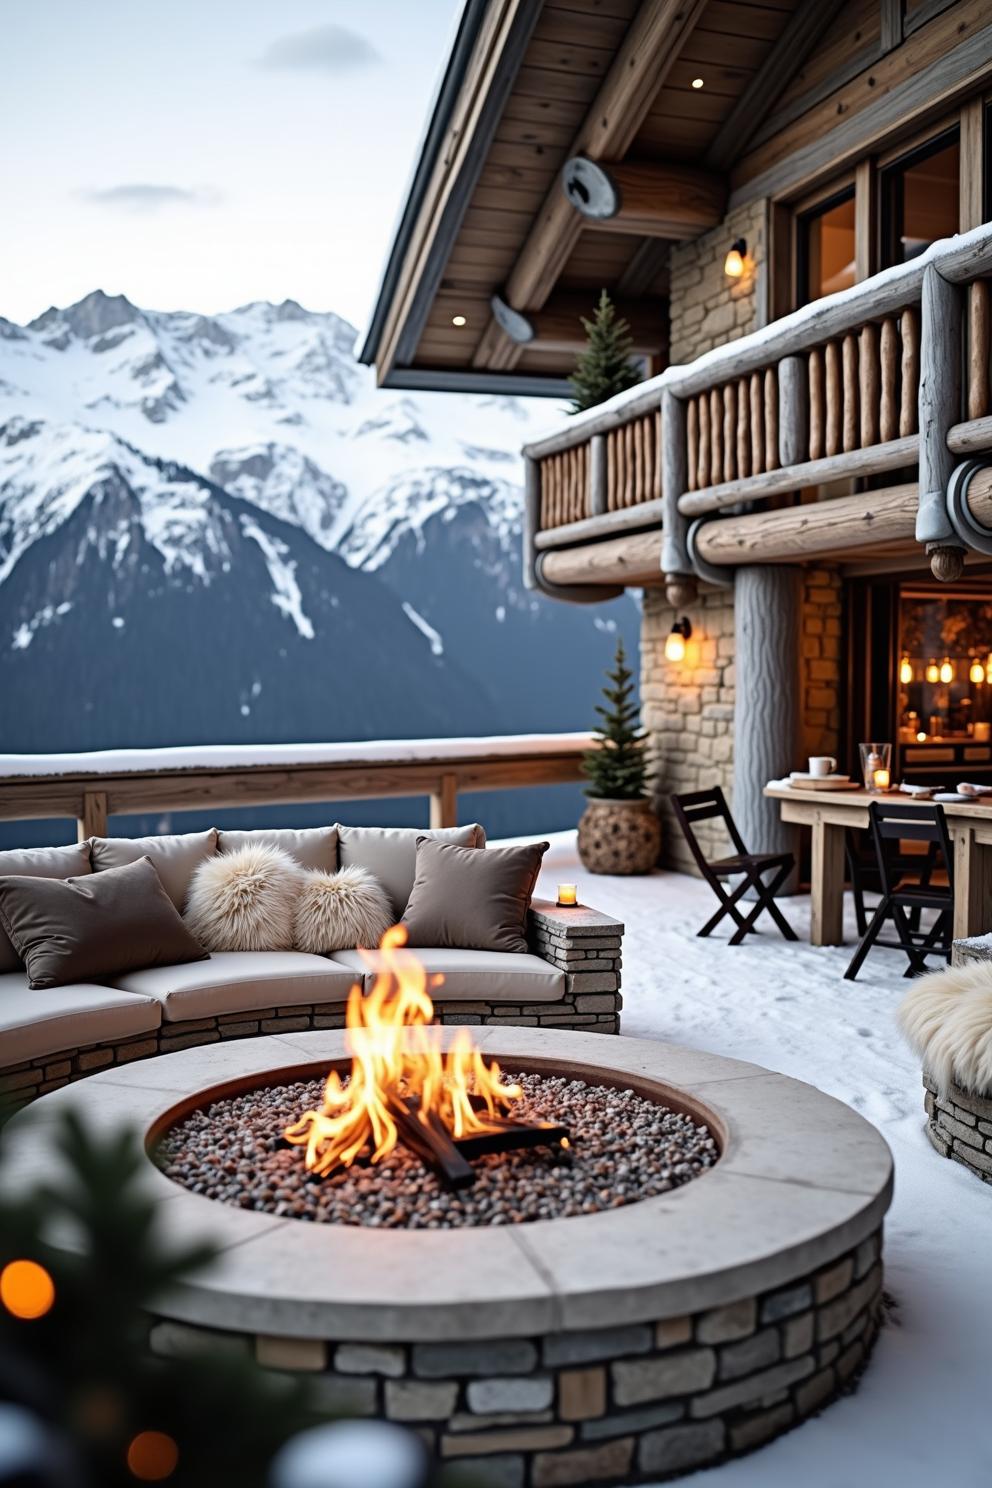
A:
(569, 978)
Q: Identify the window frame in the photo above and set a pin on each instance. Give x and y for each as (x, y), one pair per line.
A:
(891, 184)
(839, 191)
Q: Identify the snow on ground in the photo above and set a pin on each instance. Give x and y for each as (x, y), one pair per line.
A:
(920, 1414)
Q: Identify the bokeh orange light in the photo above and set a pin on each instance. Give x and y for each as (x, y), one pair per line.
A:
(152, 1456)
(26, 1290)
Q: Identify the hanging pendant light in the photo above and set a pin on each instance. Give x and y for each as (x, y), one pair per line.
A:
(933, 671)
(977, 671)
(906, 671)
(947, 670)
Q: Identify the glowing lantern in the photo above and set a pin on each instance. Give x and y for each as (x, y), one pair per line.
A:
(905, 671)
(933, 671)
(947, 670)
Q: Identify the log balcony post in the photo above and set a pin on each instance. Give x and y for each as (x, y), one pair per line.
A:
(939, 411)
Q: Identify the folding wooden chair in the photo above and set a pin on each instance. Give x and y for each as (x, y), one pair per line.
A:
(708, 805)
(904, 897)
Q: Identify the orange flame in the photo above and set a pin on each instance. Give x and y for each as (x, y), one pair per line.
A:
(397, 1057)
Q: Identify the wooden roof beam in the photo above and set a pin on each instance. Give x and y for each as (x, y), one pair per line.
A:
(644, 197)
(557, 326)
(649, 50)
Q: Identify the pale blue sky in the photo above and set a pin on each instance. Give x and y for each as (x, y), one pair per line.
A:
(197, 154)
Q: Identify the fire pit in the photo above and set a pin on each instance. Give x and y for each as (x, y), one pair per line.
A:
(619, 1345)
(405, 1104)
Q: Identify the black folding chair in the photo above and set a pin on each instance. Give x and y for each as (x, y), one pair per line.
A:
(903, 897)
(708, 805)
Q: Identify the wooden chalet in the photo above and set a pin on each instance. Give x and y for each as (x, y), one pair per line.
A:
(790, 202)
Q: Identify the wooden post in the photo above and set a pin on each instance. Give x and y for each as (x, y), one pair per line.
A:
(793, 411)
(93, 822)
(675, 564)
(869, 385)
(716, 436)
(535, 516)
(972, 881)
(888, 410)
(766, 721)
(743, 432)
(909, 372)
(703, 478)
(444, 802)
(849, 357)
(817, 411)
(978, 349)
(691, 416)
(730, 431)
(835, 398)
(756, 401)
(597, 475)
(771, 419)
(939, 404)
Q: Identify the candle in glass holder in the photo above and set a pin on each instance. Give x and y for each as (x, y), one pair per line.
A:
(882, 779)
(568, 895)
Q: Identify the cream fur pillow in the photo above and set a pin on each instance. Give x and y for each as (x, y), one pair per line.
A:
(947, 1017)
(244, 900)
(340, 911)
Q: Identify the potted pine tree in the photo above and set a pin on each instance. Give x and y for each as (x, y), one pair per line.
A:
(619, 831)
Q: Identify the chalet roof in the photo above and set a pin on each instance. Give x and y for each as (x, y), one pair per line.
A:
(528, 85)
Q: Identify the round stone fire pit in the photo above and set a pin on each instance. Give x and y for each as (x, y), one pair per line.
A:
(630, 1343)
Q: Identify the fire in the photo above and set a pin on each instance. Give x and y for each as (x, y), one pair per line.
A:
(399, 1073)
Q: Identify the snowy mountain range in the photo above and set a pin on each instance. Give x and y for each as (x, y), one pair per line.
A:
(216, 528)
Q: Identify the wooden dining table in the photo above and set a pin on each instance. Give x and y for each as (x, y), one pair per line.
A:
(830, 813)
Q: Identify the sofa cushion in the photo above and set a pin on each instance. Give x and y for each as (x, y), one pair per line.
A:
(240, 982)
(471, 900)
(34, 1024)
(390, 853)
(474, 976)
(312, 847)
(39, 862)
(175, 857)
(86, 929)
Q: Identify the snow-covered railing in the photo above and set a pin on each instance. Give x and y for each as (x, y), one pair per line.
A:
(92, 787)
(855, 384)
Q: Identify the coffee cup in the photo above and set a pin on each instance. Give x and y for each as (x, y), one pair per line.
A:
(821, 765)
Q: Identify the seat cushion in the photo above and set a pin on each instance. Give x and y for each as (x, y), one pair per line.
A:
(475, 976)
(40, 862)
(175, 857)
(390, 853)
(312, 847)
(34, 1024)
(239, 982)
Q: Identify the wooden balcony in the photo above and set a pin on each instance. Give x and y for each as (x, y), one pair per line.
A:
(737, 457)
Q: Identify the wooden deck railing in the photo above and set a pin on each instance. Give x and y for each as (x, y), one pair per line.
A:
(853, 385)
(92, 788)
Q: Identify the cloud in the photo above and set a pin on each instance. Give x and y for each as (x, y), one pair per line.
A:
(322, 49)
(145, 196)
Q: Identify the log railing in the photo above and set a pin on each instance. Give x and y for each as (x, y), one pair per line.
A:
(853, 386)
(607, 472)
(91, 788)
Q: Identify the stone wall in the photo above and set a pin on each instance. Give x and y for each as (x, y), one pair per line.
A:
(707, 308)
(688, 708)
(632, 1404)
(959, 1125)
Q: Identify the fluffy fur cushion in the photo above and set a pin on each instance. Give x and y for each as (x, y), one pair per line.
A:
(340, 911)
(947, 1017)
(244, 900)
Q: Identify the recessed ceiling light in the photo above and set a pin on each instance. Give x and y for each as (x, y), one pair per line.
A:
(697, 82)
(458, 320)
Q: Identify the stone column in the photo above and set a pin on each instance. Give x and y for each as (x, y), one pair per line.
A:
(767, 693)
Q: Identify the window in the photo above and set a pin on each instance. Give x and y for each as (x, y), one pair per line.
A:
(826, 247)
(921, 198)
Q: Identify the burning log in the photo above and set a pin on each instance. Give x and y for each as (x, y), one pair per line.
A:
(443, 1106)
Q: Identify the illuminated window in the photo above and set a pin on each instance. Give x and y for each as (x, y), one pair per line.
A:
(826, 248)
(920, 199)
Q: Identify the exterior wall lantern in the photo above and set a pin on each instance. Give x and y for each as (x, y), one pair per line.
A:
(733, 264)
(676, 639)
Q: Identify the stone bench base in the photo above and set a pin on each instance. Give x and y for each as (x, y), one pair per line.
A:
(960, 1127)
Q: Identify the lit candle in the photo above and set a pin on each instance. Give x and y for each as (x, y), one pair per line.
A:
(568, 894)
(882, 779)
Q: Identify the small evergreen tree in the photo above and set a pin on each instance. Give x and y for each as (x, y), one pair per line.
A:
(617, 769)
(605, 366)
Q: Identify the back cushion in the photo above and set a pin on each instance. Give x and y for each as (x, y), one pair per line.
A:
(174, 858)
(390, 853)
(312, 847)
(39, 862)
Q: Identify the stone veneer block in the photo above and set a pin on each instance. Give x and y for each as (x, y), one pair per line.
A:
(581, 1394)
(439, 1360)
(587, 1465)
(724, 1324)
(298, 1354)
(492, 1396)
(364, 1358)
(418, 1400)
(635, 1382)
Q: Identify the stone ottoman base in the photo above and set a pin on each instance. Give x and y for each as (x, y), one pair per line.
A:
(632, 1404)
(960, 1126)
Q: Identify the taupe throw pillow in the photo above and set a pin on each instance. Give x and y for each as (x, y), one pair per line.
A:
(390, 853)
(40, 862)
(312, 847)
(471, 900)
(175, 857)
(79, 929)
